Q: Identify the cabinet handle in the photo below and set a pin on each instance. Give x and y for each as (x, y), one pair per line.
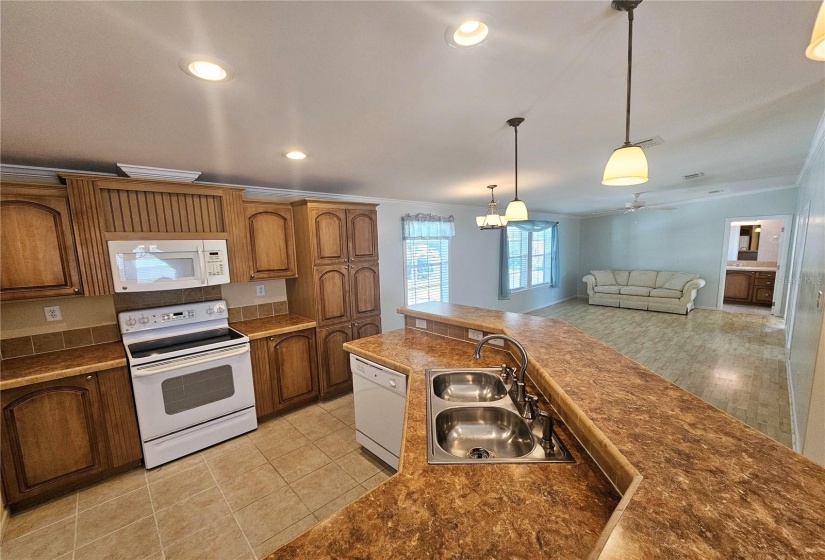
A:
(271, 338)
(251, 276)
(77, 290)
(88, 378)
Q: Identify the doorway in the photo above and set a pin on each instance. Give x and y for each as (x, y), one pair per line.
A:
(754, 264)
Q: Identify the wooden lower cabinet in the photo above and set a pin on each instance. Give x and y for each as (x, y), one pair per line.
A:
(749, 287)
(61, 434)
(284, 371)
(333, 360)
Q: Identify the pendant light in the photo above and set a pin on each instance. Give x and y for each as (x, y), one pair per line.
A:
(516, 210)
(816, 50)
(491, 220)
(628, 164)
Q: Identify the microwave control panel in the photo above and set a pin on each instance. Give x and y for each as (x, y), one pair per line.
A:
(214, 264)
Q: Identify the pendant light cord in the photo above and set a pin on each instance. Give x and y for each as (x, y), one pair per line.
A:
(516, 130)
(629, 66)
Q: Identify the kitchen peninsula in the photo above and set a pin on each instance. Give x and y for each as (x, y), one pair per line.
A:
(706, 485)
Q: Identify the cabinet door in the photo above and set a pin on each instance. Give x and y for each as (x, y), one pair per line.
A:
(262, 377)
(738, 286)
(271, 240)
(365, 290)
(763, 295)
(332, 295)
(329, 235)
(363, 328)
(39, 253)
(334, 371)
(52, 438)
(362, 235)
(119, 416)
(294, 367)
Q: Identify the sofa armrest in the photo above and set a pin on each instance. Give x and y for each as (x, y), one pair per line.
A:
(690, 289)
(590, 280)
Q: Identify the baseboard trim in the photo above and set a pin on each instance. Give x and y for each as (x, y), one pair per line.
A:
(548, 304)
(4, 518)
(794, 426)
(706, 307)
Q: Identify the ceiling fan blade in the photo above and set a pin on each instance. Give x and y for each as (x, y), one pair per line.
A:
(608, 212)
(661, 207)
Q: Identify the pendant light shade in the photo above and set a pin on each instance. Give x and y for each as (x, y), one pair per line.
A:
(816, 50)
(516, 210)
(628, 164)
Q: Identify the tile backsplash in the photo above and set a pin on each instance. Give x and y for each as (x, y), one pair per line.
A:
(144, 300)
(51, 342)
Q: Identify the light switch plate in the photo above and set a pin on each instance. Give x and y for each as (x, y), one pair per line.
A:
(421, 323)
(260, 290)
(473, 334)
(53, 313)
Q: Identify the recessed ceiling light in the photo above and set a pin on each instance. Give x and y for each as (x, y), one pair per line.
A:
(295, 155)
(472, 31)
(206, 68)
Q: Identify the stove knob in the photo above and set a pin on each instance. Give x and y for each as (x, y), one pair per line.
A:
(220, 309)
(209, 311)
(143, 320)
(131, 321)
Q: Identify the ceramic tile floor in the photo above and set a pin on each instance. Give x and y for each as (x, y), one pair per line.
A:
(240, 499)
(733, 360)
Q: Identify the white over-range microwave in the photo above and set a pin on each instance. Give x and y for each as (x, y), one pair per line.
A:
(145, 266)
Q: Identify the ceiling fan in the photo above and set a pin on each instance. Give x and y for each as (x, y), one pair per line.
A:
(634, 205)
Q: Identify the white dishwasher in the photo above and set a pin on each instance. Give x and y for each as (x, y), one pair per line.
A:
(380, 397)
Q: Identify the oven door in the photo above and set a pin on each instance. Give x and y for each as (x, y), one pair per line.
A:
(175, 394)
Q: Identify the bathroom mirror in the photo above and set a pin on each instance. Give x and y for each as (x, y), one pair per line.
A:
(749, 242)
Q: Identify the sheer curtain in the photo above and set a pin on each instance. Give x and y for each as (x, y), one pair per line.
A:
(427, 226)
(504, 260)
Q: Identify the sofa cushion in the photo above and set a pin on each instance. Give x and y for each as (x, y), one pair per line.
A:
(621, 276)
(604, 277)
(665, 293)
(662, 278)
(607, 289)
(679, 280)
(635, 291)
(643, 278)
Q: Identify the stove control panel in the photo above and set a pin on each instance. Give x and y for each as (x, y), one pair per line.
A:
(158, 317)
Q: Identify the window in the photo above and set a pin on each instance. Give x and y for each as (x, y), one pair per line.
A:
(530, 257)
(427, 270)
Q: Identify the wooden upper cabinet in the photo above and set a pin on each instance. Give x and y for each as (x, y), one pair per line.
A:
(365, 290)
(39, 257)
(53, 436)
(362, 235)
(329, 234)
(271, 240)
(332, 295)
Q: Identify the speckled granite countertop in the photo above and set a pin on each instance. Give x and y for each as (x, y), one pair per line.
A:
(273, 325)
(27, 370)
(461, 511)
(713, 487)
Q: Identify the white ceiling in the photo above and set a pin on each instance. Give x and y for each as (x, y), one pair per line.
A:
(386, 109)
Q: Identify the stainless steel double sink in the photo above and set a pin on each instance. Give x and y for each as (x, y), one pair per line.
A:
(472, 419)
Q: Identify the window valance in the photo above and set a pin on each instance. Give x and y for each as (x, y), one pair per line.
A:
(427, 226)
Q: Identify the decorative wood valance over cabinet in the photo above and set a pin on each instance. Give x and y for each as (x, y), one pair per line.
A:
(110, 208)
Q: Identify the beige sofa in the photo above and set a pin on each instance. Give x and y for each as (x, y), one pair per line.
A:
(671, 292)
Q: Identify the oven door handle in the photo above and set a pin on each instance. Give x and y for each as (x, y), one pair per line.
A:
(153, 370)
(203, 263)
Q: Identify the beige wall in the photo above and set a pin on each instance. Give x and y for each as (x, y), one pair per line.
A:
(243, 293)
(27, 318)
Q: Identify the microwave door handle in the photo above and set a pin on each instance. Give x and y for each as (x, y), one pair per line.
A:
(203, 264)
(140, 372)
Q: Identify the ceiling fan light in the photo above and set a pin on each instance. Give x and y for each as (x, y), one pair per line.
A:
(816, 50)
(516, 211)
(627, 166)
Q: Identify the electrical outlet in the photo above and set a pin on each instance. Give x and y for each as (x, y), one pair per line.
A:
(474, 334)
(260, 290)
(421, 323)
(497, 342)
(53, 313)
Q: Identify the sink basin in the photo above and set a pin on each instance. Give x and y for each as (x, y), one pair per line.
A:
(482, 432)
(469, 386)
(471, 418)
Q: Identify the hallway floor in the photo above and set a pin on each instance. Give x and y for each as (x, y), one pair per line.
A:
(734, 361)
